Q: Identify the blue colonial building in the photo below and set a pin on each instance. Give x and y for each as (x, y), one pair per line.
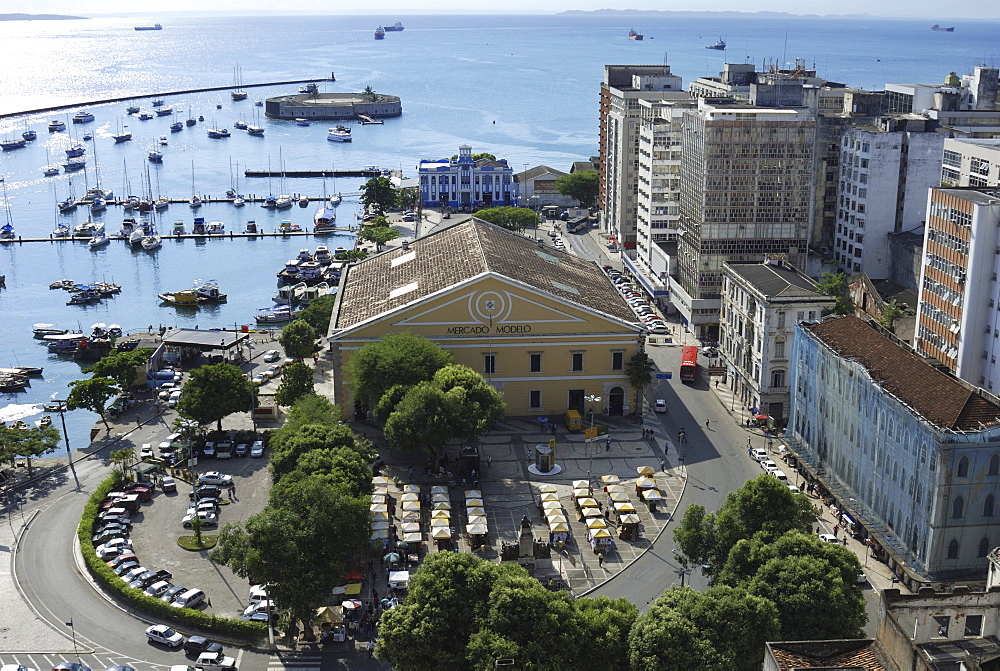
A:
(909, 453)
(463, 182)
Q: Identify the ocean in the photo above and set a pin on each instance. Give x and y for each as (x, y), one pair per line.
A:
(524, 88)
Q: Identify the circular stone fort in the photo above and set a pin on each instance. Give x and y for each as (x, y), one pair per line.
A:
(332, 106)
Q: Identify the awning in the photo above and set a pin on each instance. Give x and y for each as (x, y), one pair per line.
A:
(848, 519)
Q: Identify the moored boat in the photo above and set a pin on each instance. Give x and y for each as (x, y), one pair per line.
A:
(216, 228)
(633, 35)
(178, 228)
(208, 291)
(250, 228)
(718, 46)
(98, 241)
(8, 145)
(395, 28)
(83, 116)
(339, 134)
(41, 330)
(275, 315)
(380, 33)
(325, 220)
(152, 242)
(56, 125)
(124, 136)
(185, 298)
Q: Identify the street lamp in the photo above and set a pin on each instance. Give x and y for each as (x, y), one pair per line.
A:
(681, 570)
(592, 399)
(62, 418)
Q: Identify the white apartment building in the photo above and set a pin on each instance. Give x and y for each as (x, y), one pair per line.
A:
(969, 162)
(624, 86)
(886, 169)
(761, 303)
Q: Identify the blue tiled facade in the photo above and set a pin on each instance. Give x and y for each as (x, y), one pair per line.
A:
(931, 495)
(465, 183)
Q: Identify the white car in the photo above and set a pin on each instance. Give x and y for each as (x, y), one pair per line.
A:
(146, 451)
(271, 355)
(257, 449)
(259, 607)
(215, 478)
(209, 661)
(660, 406)
(768, 466)
(759, 453)
(829, 538)
(207, 519)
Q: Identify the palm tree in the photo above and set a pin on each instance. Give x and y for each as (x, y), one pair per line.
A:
(369, 93)
(122, 459)
(639, 369)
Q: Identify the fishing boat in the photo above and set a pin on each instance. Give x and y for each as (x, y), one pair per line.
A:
(239, 93)
(240, 124)
(208, 291)
(84, 296)
(83, 116)
(718, 46)
(255, 130)
(132, 108)
(394, 28)
(98, 241)
(9, 383)
(190, 121)
(56, 125)
(633, 35)
(8, 145)
(380, 33)
(339, 134)
(41, 330)
(156, 102)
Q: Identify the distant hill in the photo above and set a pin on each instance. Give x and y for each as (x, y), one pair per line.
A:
(749, 15)
(37, 17)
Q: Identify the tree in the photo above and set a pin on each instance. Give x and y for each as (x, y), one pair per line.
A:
(668, 641)
(369, 93)
(477, 157)
(215, 391)
(318, 313)
(285, 453)
(196, 528)
(511, 218)
(408, 198)
(93, 395)
(121, 460)
(122, 367)
(309, 409)
(581, 185)
(343, 467)
(890, 314)
(377, 192)
(298, 339)
(639, 370)
(379, 235)
(301, 545)
(835, 286)
(353, 255)
(401, 358)
(296, 382)
(28, 443)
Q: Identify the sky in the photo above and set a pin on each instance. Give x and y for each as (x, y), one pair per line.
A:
(970, 9)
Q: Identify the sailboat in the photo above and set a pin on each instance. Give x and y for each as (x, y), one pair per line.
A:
(234, 192)
(152, 241)
(190, 120)
(7, 230)
(255, 128)
(69, 204)
(195, 198)
(240, 93)
(49, 169)
(161, 202)
(283, 201)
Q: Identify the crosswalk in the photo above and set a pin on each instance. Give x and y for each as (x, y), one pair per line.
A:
(94, 659)
(293, 660)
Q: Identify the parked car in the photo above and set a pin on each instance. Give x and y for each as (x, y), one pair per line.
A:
(768, 465)
(168, 484)
(172, 593)
(271, 355)
(259, 607)
(200, 644)
(205, 492)
(144, 580)
(759, 453)
(210, 661)
(125, 567)
(204, 505)
(139, 484)
(207, 519)
(157, 588)
(660, 405)
(70, 666)
(161, 633)
(257, 449)
(188, 599)
(146, 451)
(215, 478)
(15, 667)
(209, 449)
(120, 559)
(829, 538)
(133, 573)
(242, 449)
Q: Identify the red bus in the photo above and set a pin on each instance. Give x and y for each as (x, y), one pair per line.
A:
(689, 364)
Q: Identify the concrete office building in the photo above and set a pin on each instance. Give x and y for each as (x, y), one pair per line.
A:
(910, 453)
(622, 89)
(761, 303)
(958, 322)
(970, 162)
(746, 193)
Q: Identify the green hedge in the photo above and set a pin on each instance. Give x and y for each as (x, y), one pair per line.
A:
(181, 617)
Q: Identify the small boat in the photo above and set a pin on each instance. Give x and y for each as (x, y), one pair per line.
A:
(42, 330)
(239, 200)
(29, 135)
(161, 203)
(290, 271)
(145, 116)
(176, 127)
(339, 134)
(124, 136)
(304, 201)
(718, 46)
(302, 122)
(941, 29)
(74, 164)
(7, 232)
(283, 202)
(155, 26)
(165, 111)
(155, 156)
(98, 241)
(115, 331)
(83, 117)
(184, 299)
(152, 242)
(84, 295)
(380, 33)
(88, 136)
(67, 205)
(240, 125)
(132, 109)
(178, 228)
(195, 202)
(65, 343)
(632, 35)
(269, 202)
(309, 88)
(98, 205)
(22, 371)
(218, 132)
(201, 117)
(156, 102)
(56, 125)
(50, 170)
(10, 383)
(215, 228)
(8, 145)
(75, 149)
(208, 291)
(250, 228)
(61, 231)
(255, 130)
(163, 140)
(334, 201)
(394, 28)
(258, 103)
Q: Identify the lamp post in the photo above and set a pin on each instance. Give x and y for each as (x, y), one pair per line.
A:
(681, 570)
(592, 399)
(62, 420)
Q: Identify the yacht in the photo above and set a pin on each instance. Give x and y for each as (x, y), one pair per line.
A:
(124, 136)
(56, 125)
(198, 227)
(88, 229)
(324, 220)
(250, 228)
(275, 315)
(339, 134)
(239, 200)
(136, 236)
(323, 255)
(161, 203)
(151, 242)
(83, 117)
(98, 241)
(7, 232)
(155, 156)
(283, 202)
(67, 205)
(216, 228)
(208, 291)
(269, 202)
(178, 228)
(240, 125)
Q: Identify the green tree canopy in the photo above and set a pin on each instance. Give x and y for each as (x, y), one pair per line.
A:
(29, 443)
(215, 391)
(835, 286)
(125, 368)
(401, 358)
(892, 312)
(318, 313)
(93, 395)
(286, 452)
(477, 157)
(343, 467)
(296, 382)
(379, 235)
(639, 370)
(581, 185)
(377, 192)
(298, 339)
(309, 409)
(511, 218)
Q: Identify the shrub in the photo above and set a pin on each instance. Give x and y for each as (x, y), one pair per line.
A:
(135, 598)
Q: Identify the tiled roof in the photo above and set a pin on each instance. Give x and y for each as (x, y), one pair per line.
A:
(776, 281)
(851, 654)
(466, 250)
(939, 398)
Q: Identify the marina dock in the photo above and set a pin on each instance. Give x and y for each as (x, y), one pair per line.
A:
(188, 236)
(366, 172)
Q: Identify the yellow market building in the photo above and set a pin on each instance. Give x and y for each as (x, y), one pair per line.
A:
(543, 326)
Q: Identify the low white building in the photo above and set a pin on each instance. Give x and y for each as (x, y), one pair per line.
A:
(971, 162)
(761, 303)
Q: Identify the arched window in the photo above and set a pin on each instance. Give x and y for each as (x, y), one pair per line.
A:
(963, 467)
(988, 506)
(984, 547)
(953, 549)
(778, 378)
(994, 465)
(958, 507)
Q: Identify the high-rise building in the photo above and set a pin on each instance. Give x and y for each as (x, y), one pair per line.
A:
(746, 193)
(622, 89)
(969, 162)
(958, 322)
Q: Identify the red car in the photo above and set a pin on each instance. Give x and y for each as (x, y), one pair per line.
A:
(144, 493)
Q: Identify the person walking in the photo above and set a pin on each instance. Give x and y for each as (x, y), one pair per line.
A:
(489, 460)
(600, 559)
(607, 444)
(707, 422)
(663, 465)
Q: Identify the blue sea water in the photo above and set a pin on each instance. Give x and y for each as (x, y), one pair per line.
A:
(524, 88)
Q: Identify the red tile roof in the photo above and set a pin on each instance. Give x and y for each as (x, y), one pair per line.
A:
(850, 654)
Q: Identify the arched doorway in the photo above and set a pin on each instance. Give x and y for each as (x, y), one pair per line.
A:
(616, 401)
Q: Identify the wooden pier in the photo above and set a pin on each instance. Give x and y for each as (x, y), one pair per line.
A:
(189, 236)
(314, 173)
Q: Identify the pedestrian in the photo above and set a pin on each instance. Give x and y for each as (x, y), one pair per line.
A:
(489, 460)
(411, 472)
(607, 444)
(707, 421)
(748, 441)
(716, 383)
(663, 465)
(553, 428)
(600, 559)
(374, 594)
(836, 528)
(371, 648)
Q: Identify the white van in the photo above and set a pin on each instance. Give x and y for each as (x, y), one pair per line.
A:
(175, 396)
(189, 599)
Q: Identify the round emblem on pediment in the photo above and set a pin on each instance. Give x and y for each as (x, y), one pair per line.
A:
(490, 305)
